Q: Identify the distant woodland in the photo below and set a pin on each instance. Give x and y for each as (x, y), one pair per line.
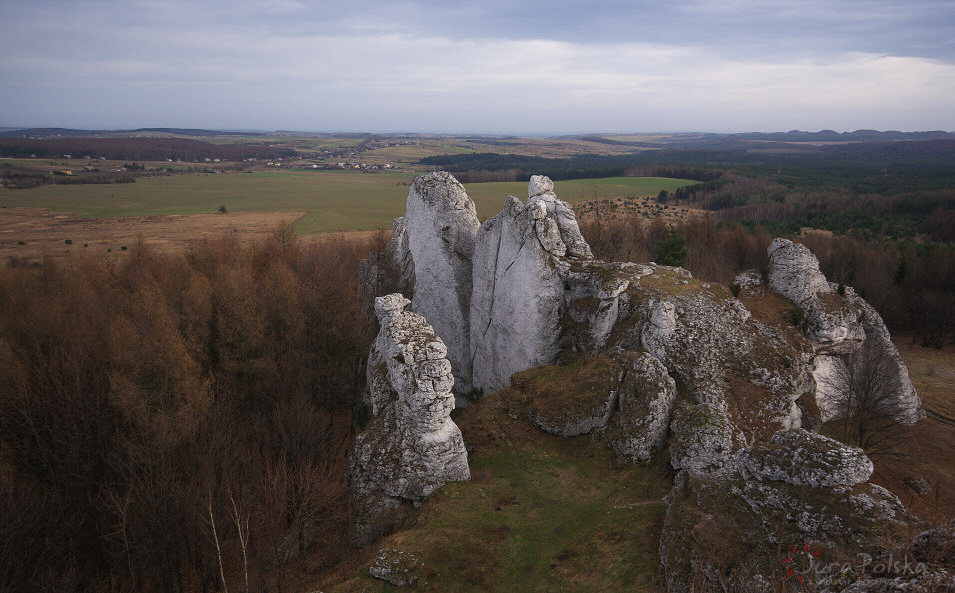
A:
(136, 149)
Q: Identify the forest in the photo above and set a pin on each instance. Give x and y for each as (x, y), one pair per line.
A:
(137, 149)
(166, 412)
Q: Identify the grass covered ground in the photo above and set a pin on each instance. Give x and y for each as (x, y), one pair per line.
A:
(541, 513)
(333, 200)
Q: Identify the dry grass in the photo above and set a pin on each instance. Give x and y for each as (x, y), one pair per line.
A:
(45, 234)
(928, 453)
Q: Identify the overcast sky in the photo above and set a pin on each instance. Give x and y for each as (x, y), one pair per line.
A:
(495, 66)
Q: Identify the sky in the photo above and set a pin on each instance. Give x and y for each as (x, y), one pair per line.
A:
(494, 66)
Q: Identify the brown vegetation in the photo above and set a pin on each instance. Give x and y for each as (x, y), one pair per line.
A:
(170, 422)
(911, 284)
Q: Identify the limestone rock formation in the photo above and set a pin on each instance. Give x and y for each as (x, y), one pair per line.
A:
(704, 438)
(804, 458)
(518, 289)
(838, 325)
(724, 530)
(747, 373)
(391, 270)
(649, 357)
(794, 273)
(440, 224)
(640, 425)
(411, 446)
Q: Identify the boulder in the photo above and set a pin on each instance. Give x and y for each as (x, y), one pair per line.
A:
(440, 223)
(395, 566)
(410, 447)
(803, 458)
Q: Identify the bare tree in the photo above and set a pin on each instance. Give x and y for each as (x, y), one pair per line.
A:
(864, 394)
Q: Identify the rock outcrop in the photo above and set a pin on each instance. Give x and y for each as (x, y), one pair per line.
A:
(410, 447)
(518, 296)
(440, 224)
(650, 357)
(838, 325)
(639, 427)
(804, 458)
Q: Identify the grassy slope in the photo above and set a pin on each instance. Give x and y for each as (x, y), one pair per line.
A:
(335, 200)
(541, 513)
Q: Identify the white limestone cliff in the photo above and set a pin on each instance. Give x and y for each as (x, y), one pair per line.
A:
(440, 224)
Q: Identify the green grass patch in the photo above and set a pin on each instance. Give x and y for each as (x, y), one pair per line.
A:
(541, 513)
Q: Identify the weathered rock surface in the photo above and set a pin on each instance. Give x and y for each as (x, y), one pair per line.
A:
(838, 326)
(411, 446)
(645, 400)
(803, 458)
(651, 356)
(518, 290)
(703, 438)
(395, 566)
(880, 349)
(440, 224)
(725, 530)
(747, 374)
(391, 270)
(794, 273)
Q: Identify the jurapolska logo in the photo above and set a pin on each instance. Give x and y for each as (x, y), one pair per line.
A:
(804, 562)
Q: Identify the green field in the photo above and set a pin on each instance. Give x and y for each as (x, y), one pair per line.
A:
(334, 200)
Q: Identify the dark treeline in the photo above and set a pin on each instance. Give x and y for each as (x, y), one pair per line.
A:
(22, 179)
(911, 284)
(476, 167)
(167, 421)
(766, 202)
(137, 149)
(865, 167)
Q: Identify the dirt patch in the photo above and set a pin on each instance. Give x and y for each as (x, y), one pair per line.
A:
(28, 235)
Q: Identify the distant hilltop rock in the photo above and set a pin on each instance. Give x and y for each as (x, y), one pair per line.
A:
(653, 361)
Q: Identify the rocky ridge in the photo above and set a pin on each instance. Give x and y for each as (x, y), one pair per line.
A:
(668, 361)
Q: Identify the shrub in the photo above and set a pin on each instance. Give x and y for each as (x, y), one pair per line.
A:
(797, 316)
(361, 414)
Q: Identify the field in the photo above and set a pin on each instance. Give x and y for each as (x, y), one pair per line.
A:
(176, 209)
